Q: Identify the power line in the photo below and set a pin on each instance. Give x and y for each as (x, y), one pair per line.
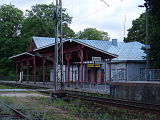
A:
(105, 2)
(93, 12)
(89, 15)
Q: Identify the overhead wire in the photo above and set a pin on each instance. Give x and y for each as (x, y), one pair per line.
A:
(105, 3)
(92, 12)
(89, 15)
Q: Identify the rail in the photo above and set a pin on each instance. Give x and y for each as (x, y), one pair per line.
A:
(149, 108)
(8, 112)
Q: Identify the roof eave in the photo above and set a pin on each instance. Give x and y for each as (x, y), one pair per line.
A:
(18, 55)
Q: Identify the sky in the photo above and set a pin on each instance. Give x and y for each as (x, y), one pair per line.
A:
(114, 19)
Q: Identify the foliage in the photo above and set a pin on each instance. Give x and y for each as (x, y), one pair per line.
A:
(7, 87)
(137, 31)
(46, 109)
(154, 34)
(10, 26)
(10, 18)
(17, 30)
(93, 34)
(39, 22)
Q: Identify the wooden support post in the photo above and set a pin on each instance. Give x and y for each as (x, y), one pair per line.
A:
(46, 79)
(27, 72)
(34, 63)
(78, 73)
(37, 73)
(81, 65)
(43, 71)
(68, 57)
(110, 70)
(21, 72)
(17, 71)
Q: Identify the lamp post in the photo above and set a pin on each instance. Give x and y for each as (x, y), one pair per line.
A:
(147, 46)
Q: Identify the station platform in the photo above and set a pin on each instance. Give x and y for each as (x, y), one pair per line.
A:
(91, 88)
(48, 85)
(135, 83)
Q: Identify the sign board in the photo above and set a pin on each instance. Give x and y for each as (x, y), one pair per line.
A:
(94, 65)
(96, 58)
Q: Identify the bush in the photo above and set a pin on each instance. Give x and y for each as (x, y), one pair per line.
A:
(12, 76)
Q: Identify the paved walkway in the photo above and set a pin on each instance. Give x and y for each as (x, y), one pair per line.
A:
(37, 84)
(23, 90)
(92, 88)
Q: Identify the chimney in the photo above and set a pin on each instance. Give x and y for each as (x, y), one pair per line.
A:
(114, 42)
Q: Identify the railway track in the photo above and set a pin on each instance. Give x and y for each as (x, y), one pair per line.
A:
(9, 113)
(130, 105)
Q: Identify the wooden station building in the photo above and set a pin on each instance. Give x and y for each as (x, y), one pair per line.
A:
(36, 64)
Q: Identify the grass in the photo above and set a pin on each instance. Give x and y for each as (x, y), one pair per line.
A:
(7, 87)
(45, 108)
(93, 111)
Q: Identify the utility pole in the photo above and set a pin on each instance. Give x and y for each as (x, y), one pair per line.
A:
(58, 51)
(147, 46)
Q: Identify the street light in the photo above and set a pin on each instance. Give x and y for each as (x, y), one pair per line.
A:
(147, 46)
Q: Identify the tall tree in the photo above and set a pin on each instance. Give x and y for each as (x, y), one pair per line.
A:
(10, 26)
(137, 31)
(93, 34)
(154, 34)
(39, 22)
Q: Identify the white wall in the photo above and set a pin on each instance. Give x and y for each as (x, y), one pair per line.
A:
(132, 70)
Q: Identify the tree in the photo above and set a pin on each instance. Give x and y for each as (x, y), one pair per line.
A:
(137, 31)
(93, 34)
(10, 26)
(10, 21)
(17, 30)
(39, 22)
(154, 34)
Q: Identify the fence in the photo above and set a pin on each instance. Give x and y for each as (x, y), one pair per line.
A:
(121, 75)
(148, 75)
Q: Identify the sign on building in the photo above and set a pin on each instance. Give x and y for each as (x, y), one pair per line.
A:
(96, 58)
(94, 65)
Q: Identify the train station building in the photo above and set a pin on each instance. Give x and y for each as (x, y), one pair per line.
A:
(85, 61)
